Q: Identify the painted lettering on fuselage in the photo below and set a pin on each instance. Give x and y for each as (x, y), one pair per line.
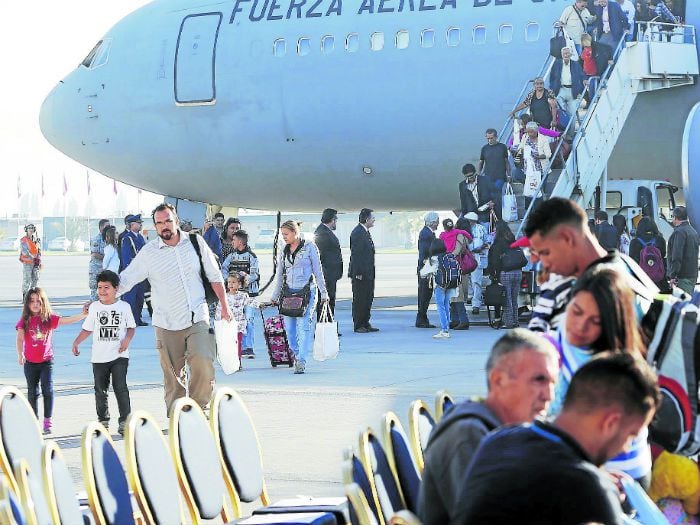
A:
(257, 10)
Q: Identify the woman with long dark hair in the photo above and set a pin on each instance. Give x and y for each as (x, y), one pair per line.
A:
(110, 261)
(506, 267)
(233, 224)
(601, 317)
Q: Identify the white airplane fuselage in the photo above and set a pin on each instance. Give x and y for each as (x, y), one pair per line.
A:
(191, 99)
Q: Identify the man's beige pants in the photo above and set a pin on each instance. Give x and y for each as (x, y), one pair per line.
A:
(194, 346)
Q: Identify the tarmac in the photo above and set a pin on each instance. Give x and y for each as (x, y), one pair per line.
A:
(304, 422)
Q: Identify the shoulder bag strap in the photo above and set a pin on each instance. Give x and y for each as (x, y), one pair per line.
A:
(583, 24)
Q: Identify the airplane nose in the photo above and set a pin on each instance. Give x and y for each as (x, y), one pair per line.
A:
(47, 116)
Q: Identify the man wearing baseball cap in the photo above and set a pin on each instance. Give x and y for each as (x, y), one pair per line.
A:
(132, 242)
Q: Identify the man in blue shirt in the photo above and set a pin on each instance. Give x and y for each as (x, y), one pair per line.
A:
(132, 242)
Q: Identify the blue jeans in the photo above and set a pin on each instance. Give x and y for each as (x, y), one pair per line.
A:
(442, 299)
(37, 373)
(300, 330)
(249, 337)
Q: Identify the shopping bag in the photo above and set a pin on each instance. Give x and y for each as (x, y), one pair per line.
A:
(326, 344)
(226, 333)
(571, 45)
(510, 204)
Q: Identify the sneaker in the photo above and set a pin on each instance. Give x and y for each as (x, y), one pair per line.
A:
(441, 335)
(446, 335)
(249, 353)
(47, 425)
(299, 366)
(122, 425)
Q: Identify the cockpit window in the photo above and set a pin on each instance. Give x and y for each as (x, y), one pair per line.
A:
(87, 61)
(99, 54)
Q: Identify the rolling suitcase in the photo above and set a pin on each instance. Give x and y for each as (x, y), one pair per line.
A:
(276, 340)
(494, 295)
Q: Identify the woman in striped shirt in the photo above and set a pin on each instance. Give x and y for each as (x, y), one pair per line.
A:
(601, 316)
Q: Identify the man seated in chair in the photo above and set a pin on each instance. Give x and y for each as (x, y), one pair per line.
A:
(549, 472)
(520, 373)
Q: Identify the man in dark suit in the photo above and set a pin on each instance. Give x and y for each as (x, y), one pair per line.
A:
(605, 232)
(476, 194)
(425, 292)
(611, 22)
(331, 257)
(361, 271)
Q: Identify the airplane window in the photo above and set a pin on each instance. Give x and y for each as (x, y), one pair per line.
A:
(327, 44)
(87, 61)
(505, 34)
(279, 48)
(352, 43)
(376, 41)
(402, 39)
(532, 32)
(427, 38)
(479, 35)
(453, 36)
(304, 46)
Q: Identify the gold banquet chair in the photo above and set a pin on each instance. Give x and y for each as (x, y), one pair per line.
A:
(21, 439)
(197, 462)
(443, 402)
(11, 512)
(354, 472)
(105, 480)
(383, 480)
(360, 511)
(24, 491)
(401, 459)
(59, 489)
(420, 425)
(239, 449)
(151, 471)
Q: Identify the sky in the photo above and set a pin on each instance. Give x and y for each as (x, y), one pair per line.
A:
(40, 42)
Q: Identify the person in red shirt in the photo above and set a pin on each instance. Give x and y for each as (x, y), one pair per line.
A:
(35, 349)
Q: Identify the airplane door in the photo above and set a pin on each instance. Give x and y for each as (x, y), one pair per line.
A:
(195, 59)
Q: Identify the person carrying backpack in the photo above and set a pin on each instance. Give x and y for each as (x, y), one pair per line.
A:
(648, 250)
(443, 268)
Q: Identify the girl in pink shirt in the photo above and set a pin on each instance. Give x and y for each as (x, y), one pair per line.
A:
(35, 349)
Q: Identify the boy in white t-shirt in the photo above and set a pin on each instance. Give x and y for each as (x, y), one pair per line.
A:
(112, 326)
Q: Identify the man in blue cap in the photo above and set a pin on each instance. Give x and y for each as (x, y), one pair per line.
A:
(132, 242)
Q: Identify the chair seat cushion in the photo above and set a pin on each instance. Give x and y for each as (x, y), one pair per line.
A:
(336, 506)
(296, 518)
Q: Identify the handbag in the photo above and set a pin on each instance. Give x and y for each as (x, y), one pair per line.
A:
(209, 294)
(510, 204)
(513, 259)
(293, 304)
(556, 43)
(467, 262)
(326, 343)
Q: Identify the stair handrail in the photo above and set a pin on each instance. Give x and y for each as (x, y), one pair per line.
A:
(579, 133)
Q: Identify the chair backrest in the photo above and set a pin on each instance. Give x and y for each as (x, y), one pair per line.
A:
(197, 462)
(11, 512)
(443, 402)
(420, 424)
(354, 472)
(384, 483)
(151, 471)
(404, 517)
(105, 481)
(20, 438)
(360, 511)
(58, 486)
(401, 460)
(25, 491)
(239, 449)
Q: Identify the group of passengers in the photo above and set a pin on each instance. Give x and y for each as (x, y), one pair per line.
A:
(574, 403)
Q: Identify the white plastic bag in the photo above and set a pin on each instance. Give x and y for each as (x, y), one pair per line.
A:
(227, 345)
(571, 45)
(510, 204)
(326, 344)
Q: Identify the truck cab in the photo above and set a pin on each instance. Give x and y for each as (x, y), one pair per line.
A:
(642, 198)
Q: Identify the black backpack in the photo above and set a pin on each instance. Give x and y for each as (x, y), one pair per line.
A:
(449, 274)
(513, 259)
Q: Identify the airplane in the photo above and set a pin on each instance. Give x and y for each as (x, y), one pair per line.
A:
(307, 104)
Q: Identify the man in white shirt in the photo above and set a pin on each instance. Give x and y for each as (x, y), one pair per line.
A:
(180, 313)
(574, 20)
